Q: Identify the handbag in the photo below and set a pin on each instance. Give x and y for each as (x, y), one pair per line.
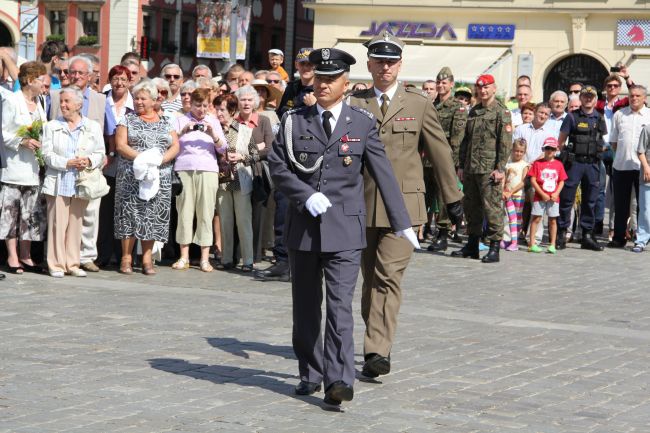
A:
(261, 188)
(91, 184)
(227, 171)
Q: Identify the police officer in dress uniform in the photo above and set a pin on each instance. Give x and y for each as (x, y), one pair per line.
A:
(584, 128)
(453, 116)
(483, 155)
(318, 161)
(407, 122)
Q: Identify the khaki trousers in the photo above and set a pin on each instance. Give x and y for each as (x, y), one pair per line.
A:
(90, 231)
(198, 198)
(64, 219)
(383, 263)
(235, 205)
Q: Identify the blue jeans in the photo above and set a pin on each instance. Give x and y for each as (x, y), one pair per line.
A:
(643, 230)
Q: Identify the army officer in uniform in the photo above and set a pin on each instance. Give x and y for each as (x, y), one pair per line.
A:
(407, 122)
(318, 161)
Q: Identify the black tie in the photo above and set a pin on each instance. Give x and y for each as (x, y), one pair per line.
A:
(327, 126)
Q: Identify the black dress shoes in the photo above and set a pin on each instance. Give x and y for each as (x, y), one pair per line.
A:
(278, 272)
(376, 365)
(337, 392)
(307, 388)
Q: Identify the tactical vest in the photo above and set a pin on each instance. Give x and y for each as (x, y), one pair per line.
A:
(584, 136)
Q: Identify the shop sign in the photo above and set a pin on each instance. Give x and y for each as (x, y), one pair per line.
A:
(410, 29)
(634, 33)
(500, 32)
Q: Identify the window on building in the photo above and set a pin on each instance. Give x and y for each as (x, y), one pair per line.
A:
(167, 35)
(90, 23)
(149, 30)
(188, 37)
(309, 14)
(57, 22)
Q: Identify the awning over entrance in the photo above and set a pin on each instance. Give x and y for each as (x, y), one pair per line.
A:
(422, 62)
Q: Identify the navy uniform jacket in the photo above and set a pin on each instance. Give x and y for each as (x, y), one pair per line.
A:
(353, 146)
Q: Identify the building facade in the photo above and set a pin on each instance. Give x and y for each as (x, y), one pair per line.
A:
(553, 41)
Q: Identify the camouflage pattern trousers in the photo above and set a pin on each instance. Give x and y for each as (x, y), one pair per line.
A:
(483, 202)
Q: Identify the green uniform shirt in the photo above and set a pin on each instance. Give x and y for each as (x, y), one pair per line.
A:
(453, 118)
(487, 142)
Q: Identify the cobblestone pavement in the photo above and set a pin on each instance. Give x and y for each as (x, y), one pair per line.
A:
(562, 344)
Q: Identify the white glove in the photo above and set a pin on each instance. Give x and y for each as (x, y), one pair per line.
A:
(317, 204)
(410, 236)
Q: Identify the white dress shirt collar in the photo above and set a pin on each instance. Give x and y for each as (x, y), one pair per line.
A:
(335, 110)
(390, 93)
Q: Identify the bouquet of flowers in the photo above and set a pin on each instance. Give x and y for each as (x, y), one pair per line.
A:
(34, 131)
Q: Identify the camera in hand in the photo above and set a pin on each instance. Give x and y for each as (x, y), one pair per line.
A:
(198, 127)
(615, 69)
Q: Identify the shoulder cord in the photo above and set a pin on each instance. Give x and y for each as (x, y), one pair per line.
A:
(288, 135)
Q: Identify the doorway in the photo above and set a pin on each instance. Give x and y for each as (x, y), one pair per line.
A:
(577, 67)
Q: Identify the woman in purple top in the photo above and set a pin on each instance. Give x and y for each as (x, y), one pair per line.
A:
(200, 137)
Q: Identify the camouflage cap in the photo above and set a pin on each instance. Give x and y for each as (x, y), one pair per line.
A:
(445, 74)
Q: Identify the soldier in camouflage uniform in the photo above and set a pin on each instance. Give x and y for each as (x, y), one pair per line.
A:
(453, 116)
(484, 152)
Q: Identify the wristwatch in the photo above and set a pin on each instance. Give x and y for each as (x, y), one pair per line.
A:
(111, 154)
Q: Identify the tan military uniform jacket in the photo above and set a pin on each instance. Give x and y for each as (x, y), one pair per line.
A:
(488, 139)
(411, 121)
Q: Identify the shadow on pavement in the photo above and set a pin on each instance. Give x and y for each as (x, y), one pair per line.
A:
(240, 348)
(222, 374)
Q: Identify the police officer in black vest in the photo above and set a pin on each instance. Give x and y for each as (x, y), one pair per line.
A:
(584, 129)
(318, 161)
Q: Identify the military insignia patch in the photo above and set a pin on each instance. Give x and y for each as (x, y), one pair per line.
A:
(347, 161)
(345, 148)
(302, 157)
(325, 53)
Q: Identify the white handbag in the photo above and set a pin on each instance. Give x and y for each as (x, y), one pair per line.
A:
(91, 184)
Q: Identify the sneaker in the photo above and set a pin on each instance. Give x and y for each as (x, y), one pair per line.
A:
(482, 247)
(534, 249)
(551, 249)
(78, 273)
(56, 274)
(638, 248)
(513, 247)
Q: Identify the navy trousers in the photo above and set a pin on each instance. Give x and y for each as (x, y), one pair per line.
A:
(281, 205)
(587, 175)
(332, 360)
(625, 181)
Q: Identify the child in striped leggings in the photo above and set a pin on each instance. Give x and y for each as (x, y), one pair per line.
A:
(513, 191)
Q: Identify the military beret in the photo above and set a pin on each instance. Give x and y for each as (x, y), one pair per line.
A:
(588, 90)
(484, 80)
(303, 55)
(445, 74)
(463, 91)
(385, 46)
(330, 61)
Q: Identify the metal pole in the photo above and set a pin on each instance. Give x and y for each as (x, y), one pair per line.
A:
(234, 23)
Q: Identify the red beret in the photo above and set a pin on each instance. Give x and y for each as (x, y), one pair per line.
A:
(484, 80)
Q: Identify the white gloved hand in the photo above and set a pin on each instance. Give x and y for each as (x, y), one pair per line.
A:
(317, 204)
(410, 236)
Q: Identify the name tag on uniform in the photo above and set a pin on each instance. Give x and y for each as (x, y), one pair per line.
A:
(306, 137)
(401, 119)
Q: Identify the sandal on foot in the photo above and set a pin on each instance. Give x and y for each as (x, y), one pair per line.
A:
(181, 264)
(125, 267)
(205, 266)
(147, 269)
(247, 268)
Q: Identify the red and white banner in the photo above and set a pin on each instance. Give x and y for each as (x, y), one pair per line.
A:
(635, 33)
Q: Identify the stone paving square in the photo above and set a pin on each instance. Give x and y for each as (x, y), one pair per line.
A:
(534, 344)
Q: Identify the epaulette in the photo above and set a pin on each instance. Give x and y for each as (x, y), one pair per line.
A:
(416, 91)
(363, 110)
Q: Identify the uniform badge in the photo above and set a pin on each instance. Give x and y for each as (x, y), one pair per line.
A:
(302, 157)
(325, 53)
(345, 148)
(347, 161)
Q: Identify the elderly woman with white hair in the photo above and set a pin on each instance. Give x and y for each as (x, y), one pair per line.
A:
(142, 207)
(249, 102)
(71, 144)
(186, 97)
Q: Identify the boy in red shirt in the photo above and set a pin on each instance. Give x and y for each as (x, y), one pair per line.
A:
(547, 177)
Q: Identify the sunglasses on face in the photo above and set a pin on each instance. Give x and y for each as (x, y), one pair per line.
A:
(574, 91)
(273, 81)
(163, 93)
(186, 93)
(170, 76)
(548, 148)
(613, 86)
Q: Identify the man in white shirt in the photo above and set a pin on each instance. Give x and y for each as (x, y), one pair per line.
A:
(535, 133)
(524, 96)
(627, 125)
(558, 103)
